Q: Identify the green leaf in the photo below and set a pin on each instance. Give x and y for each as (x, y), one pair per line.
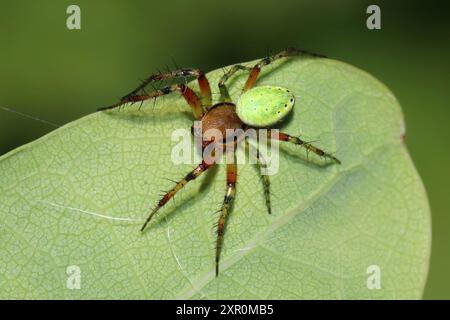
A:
(329, 224)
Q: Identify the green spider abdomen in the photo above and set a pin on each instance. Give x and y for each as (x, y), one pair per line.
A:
(264, 105)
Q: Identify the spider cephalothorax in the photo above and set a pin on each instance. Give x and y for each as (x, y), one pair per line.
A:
(257, 108)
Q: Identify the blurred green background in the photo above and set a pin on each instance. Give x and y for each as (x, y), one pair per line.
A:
(59, 75)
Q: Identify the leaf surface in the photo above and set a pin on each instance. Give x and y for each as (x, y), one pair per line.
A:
(329, 224)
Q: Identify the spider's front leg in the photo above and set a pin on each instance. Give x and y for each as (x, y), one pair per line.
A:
(296, 140)
(202, 167)
(225, 209)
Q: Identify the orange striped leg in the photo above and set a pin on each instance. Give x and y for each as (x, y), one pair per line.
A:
(189, 95)
(202, 167)
(226, 207)
(307, 145)
(203, 82)
(254, 73)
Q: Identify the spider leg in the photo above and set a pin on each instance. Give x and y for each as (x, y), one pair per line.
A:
(202, 167)
(295, 140)
(254, 73)
(224, 95)
(203, 82)
(225, 209)
(260, 163)
(189, 95)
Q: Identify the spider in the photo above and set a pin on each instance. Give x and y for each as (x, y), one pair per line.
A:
(257, 107)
